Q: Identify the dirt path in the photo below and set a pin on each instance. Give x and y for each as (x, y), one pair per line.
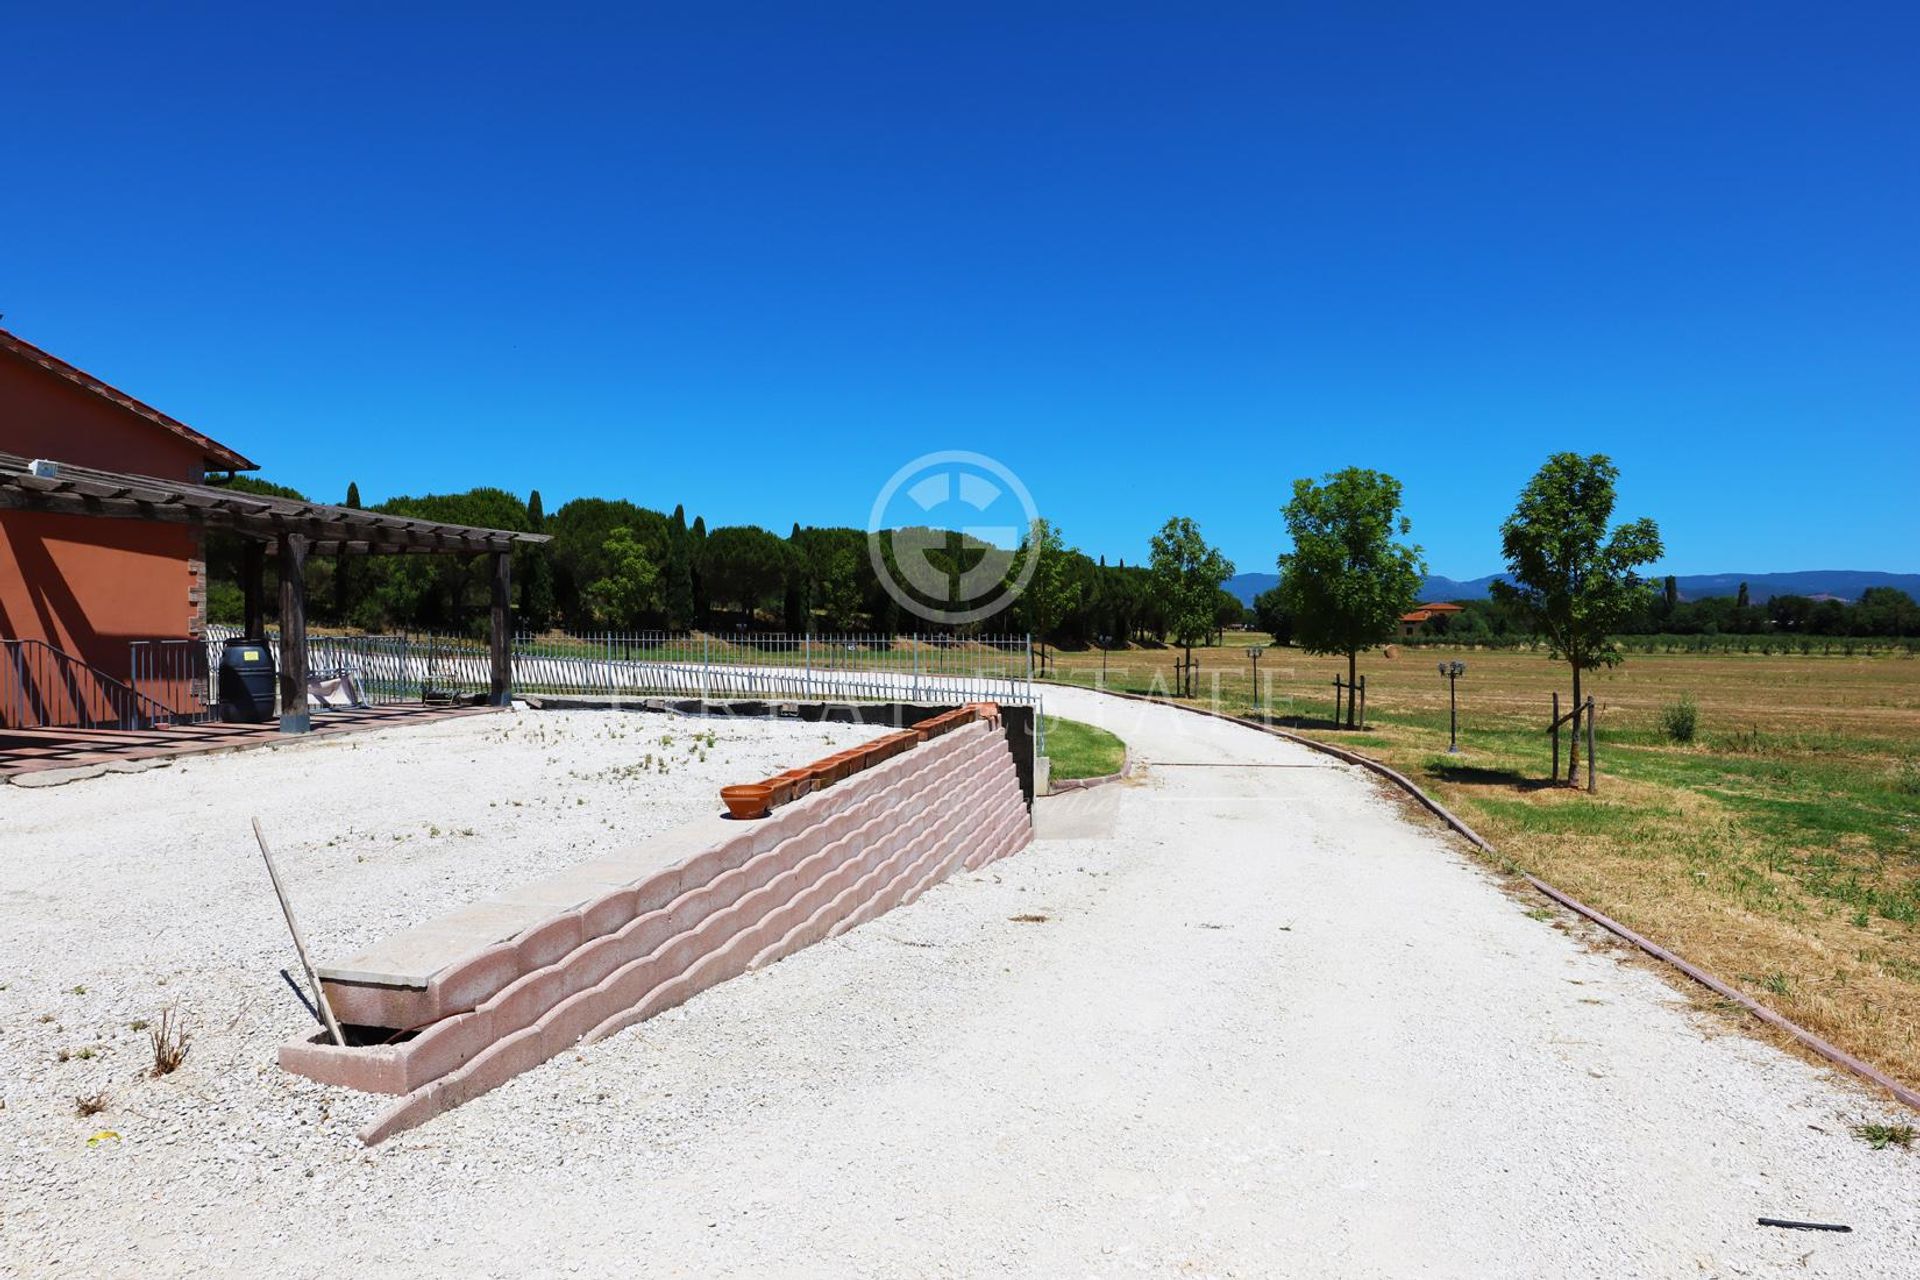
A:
(1264, 1027)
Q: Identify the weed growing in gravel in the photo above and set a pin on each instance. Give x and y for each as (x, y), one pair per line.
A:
(1882, 1136)
(79, 991)
(90, 1104)
(138, 1024)
(1028, 917)
(170, 1043)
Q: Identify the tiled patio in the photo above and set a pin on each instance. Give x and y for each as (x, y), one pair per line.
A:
(24, 751)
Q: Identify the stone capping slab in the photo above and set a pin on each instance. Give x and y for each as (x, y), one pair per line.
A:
(372, 987)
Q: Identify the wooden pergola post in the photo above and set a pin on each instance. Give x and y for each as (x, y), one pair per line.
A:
(253, 587)
(294, 717)
(500, 686)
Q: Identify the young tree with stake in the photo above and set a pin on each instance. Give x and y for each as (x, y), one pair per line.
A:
(1346, 582)
(1573, 580)
(1052, 591)
(1186, 576)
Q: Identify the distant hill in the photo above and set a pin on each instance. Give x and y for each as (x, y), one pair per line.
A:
(1842, 584)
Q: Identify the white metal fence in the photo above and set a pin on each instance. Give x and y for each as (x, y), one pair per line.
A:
(615, 665)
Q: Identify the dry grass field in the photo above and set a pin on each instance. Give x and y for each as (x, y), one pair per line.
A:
(1780, 849)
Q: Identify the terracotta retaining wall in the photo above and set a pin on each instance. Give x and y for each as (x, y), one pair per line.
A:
(814, 869)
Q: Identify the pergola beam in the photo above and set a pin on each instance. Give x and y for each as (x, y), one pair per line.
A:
(293, 529)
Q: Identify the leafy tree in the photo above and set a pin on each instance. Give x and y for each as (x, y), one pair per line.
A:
(581, 530)
(630, 588)
(840, 582)
(1054, 591)
(841, 591)
(1186, 577)
(1346, 582)
(1573, 579)
(1886, 611)
(1271, 615)
(746, 566)
(1227, 612)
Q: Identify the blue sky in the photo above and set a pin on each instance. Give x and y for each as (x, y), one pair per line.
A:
(1156, 260)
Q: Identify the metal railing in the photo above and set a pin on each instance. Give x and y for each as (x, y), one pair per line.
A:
(174, 673)
(743, 666)
(861, 667)
(42, 687)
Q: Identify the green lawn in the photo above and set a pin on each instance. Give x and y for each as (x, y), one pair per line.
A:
(1082, 751)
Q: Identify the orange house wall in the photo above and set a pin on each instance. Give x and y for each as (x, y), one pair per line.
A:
(83, 584)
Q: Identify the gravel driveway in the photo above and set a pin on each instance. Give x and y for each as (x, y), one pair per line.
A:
(1241, 1018)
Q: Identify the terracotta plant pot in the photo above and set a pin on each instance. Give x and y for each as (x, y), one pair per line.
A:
(823, 773)
(748, 800)
(800, 780)
(779, 790)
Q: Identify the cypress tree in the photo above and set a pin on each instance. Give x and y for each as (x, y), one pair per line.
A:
(343, 568)
(799, 594)
(696, 548)
(678, 586)
(535, 570)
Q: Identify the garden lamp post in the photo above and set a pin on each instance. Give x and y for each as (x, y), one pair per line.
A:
(1253, 654)
(1453, 671)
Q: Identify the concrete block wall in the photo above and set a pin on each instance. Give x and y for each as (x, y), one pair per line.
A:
(816, 868)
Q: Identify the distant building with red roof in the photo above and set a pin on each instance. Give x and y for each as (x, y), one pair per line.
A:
(1411, 622)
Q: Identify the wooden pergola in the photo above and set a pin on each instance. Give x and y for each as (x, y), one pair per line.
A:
(292, 530)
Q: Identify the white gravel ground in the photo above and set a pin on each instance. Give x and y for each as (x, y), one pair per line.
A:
(1267, 1027)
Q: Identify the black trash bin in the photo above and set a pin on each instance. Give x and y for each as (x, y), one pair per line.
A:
(246, 682)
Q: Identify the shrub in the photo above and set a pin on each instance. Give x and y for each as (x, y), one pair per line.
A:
(1680, 719)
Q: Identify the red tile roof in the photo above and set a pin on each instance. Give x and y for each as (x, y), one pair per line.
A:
(217, 454)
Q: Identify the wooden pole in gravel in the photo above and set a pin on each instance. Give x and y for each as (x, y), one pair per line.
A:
(299, 943)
